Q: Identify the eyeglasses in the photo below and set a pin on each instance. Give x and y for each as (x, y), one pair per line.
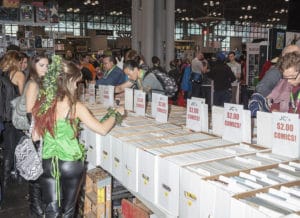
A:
(290, 77)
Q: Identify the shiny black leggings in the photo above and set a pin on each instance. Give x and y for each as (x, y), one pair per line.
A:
(71, 174)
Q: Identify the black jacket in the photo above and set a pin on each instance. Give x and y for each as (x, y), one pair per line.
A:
(222, 75)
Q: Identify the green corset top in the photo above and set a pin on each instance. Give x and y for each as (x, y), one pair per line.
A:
(63, 145)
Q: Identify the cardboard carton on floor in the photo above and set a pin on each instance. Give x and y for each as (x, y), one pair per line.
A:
(135, 209)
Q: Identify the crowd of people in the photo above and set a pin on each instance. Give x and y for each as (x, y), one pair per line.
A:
(55, 117)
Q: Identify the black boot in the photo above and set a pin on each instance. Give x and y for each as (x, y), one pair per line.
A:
(52, 210)
(69, 213)
(35, 200)
(6, 170)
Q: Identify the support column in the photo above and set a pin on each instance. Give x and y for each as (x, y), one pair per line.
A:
(170, 31)
(135, 25)
(147, 29)
(159, 30)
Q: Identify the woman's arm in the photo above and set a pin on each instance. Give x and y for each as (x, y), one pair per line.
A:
(92, 123)
(19, 80)
(31, 95)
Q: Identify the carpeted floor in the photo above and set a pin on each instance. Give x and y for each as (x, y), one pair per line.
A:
(15, 200)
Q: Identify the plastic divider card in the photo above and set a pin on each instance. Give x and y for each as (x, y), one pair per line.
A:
(217, 119)
(129, 99)
(264, 132)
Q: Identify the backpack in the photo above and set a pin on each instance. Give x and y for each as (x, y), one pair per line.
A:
(168, 83)
(19, 117)
(7, 94)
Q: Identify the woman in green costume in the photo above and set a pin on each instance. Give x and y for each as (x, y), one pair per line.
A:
(56, 114)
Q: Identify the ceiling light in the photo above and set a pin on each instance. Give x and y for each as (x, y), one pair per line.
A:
(91, 2)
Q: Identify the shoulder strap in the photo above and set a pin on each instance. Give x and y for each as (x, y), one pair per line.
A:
(13, 76)
(68, 114)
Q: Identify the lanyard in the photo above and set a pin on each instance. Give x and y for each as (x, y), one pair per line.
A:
(140, 78)
(108, 72)
(295, 104)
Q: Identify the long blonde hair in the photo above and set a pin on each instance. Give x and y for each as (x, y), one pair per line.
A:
(10, 62)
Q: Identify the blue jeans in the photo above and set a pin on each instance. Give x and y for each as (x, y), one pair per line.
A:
(221, 97)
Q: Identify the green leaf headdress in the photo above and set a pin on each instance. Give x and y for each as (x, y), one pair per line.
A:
(48, 91)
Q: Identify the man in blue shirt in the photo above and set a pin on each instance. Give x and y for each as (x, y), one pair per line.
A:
(113, 75)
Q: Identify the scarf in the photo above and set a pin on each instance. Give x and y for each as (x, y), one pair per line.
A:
(281, 94)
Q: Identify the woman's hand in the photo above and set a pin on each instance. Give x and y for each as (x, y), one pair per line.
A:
(121, 110)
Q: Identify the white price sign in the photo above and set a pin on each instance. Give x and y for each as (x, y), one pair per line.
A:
(108, 96)
(91, 90)
(140, 102)
(155, 99)
(162, 109)
(286, 134)
(195, 115)
(101, 93)
(233, 119)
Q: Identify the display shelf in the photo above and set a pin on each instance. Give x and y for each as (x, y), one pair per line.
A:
(29, 23)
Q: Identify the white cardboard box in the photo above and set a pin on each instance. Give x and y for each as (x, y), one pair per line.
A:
(130, 167)
(117, 157)
(216, 201)
(93, 143)
(106, 154)
(147, 175)
(168, 186)
(189, 194)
